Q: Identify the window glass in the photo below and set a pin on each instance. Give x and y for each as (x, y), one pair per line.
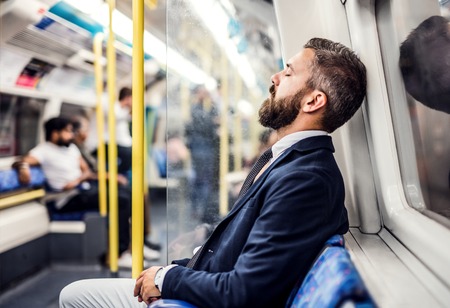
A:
(71, 110)
(420, 101)
(19, 124)
(219, 62)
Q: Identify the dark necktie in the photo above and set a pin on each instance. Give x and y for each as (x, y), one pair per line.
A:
(194, 259)
(257, 167)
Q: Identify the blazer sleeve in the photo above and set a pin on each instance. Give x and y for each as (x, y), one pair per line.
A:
(285, 239)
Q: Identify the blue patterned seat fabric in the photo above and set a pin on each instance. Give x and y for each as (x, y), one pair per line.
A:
(334, 241)
(9, 180)
(332, 281)
(170, 303)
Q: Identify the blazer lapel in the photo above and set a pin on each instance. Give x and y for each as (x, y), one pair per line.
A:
(303, 145)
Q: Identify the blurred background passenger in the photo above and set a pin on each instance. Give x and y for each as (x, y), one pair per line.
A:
(122, 111)
(203, 143)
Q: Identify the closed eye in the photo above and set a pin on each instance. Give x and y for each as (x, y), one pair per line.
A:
(288, 70)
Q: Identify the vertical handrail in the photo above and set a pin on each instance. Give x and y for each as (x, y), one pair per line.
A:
(101, 155)
(112, 150)
(224, 163)
(137, 130)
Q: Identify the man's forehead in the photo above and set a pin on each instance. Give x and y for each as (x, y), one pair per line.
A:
(303, 57)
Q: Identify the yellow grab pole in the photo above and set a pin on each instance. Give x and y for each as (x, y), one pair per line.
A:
(223, 171)
(137, 131)
(112, 150)
(237, 124)
(101, 155)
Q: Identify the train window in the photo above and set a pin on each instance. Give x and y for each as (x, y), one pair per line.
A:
(219, 63)
(19, 124)
(418, 74)
(71, 110)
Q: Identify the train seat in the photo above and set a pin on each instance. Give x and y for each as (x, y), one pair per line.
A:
(22, 218)
(332, 281)
(27, 216)
(9, 181)
(83, 233)
(24, 225)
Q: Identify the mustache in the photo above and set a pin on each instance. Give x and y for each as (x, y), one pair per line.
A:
(272, 90)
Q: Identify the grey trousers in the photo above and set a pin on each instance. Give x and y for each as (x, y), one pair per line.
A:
(109, 292)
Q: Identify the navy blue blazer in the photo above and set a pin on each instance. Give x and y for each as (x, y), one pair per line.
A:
(272, 235)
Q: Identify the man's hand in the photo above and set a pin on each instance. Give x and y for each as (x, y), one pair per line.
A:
(24, 175)
(145, 288)
(23, 172)
(72, 184)
(122, 180)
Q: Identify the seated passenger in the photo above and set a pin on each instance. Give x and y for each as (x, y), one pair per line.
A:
(277, 227)
(65, 170)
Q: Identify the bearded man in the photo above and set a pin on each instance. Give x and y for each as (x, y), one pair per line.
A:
(66, 170)
(286, 211)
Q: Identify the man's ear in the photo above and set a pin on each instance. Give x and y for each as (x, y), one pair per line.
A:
(314, 101)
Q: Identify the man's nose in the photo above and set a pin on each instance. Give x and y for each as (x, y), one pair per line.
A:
(276, 79)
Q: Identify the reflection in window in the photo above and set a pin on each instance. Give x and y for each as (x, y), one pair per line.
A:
(19, 124)
(425, 67)
(71, 110)
(212, 126)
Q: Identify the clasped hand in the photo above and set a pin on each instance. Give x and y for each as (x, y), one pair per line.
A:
(145, 288)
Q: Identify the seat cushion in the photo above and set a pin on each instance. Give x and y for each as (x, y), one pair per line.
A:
(9, 180)
(332, 280)
(21, 224)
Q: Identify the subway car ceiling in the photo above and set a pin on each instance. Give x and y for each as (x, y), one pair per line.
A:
(51, 36)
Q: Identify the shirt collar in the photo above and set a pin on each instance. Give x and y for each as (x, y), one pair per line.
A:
(287, 141)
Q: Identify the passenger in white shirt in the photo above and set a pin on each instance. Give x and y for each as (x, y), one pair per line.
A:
(66, 170)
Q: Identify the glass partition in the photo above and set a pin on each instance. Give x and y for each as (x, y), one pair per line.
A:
(220, 58)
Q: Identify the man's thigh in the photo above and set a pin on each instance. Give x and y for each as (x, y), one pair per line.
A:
(113, 292)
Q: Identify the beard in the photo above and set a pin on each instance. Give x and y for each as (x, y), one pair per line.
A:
(61, 142)
(278, 113)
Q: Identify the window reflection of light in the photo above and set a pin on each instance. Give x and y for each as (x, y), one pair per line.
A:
(123, 27)
(216, 20)
(85, 6)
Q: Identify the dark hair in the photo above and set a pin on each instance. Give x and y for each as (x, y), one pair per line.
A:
(55, 124)
(340, 74)
(76, 124)
(425, 63)
(124, 93)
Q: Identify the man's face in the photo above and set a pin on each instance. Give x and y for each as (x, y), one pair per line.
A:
(287, 92)
(65, 136)
(278, 113)
(127, 102)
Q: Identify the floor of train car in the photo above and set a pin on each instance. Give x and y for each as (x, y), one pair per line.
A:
(41, 289)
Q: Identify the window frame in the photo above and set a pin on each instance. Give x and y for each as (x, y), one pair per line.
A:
(424, 237)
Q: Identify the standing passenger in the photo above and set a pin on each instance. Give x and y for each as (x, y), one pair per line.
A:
(203, 142)
(277, 227)
(122, 112)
